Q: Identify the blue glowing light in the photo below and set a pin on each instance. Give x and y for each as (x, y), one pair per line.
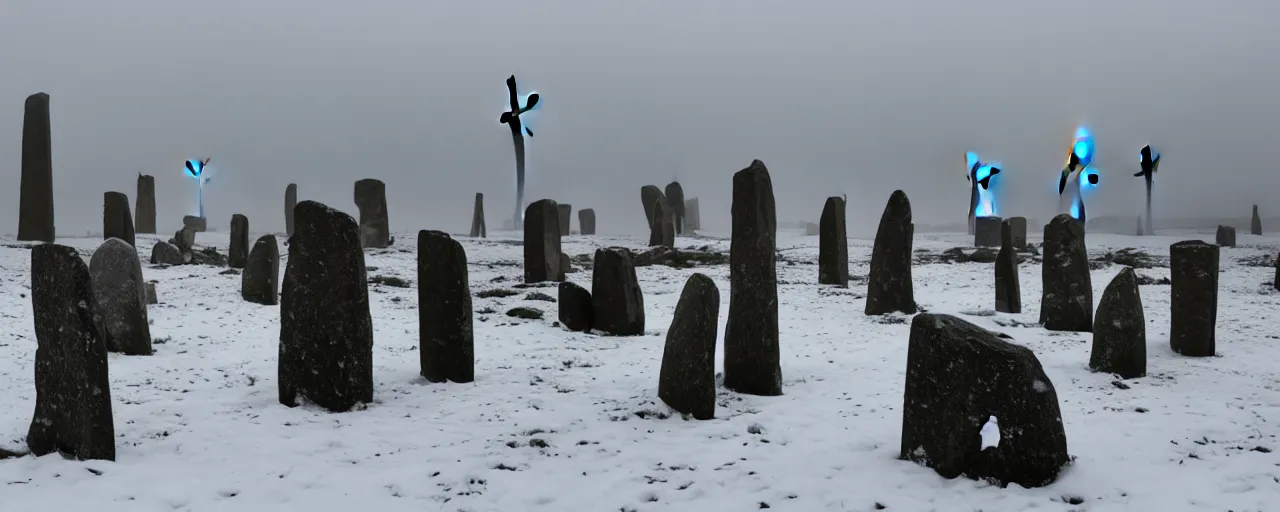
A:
(1075, 210)
(970, 160)
(196, 170)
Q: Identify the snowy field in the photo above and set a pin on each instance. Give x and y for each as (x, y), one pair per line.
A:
(563, 421)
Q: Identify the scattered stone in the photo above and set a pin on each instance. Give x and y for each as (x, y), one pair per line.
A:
(326, 332)
(477, 218)
(650, 196)
(676, 258)
(675, 205)
(662, 229)
(889, 285)
(687, 380)
(525, 313)
(542, 242)
(496, 293)
(120, 298)
(1255, 223)
(960, 375)
(144, 209)
(1226, 236)
(238, 253)
(165, 253)
(986, 231)
(575, 307)
(1194, 298)
(833, 244)
(195, 224)
(151, 294)
(751, 353)
(73, 392)
(261, 278)
(539, 296)
(564, 213)
(1008, 285)
(1066, 303)
(617, 303)
(447, 348)
(208, 256)
(392, 281)
(587, 221)
(1120, 329)
(35, 199)
(290, 201)
(371, 200)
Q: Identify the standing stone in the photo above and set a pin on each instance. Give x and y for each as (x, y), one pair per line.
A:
(662, 230)
(675, 203)
(1193, 268)
(151, 294)
(326, 332)
(165, 253)
(1255, 224)
(565, 214)
(238, 253)
(1120, 329)
(195, 224)
(751, 359)
(958, 376)
(446, 343)
(371, 200)
(987, 231)
(587, 221)
(889, 285)
(144, 210)
(120, 298)
(290, 201)
(687, 380)
(617, 303)
(1019, 227)
(1066, 303)
(1226, 236)
(73, 391)
(260, 281)
(833, 244)
(650, 196)
(1008, 286)
(35, 200)
(116, 220)
(575, 307)
(691, 219)
(477, 218)
(1138, 230)
(542, 242)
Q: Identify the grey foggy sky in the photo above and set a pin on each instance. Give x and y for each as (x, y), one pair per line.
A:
(835, 97)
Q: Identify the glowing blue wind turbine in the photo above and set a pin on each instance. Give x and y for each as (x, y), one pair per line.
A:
(1079, 158)
(196, 169)
(981, 196)
(511, 118)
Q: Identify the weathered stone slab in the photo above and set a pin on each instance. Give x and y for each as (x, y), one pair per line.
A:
(260, 281)
(617, 303)
(238, 253)
(1008, 284)
(116, 220)
(675, 204)
(144, 210)
(587, 221)
(1066, 303)
(120, 298)
(1120, 329)
(371, 200)
(575, 307)
(649, 197)
(1193, 269)
(662, 229)
(889, 285)
(446, 343)
(542, 242)
(833, 244)
(986, 231)
(687, 380)
(565, 214)
(1226, 236)
(35, 197)
(751, 353)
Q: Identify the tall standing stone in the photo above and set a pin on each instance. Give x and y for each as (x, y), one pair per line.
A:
(1008, 286)
(371, 199)
(650, 196)
(1255, 223)
(1226, 236)
(986, 231)
(477, 218)
(687, 380)
(116, 220)
(1066, 303)
(587, 221)
(1193, 269)
(675, 200)
(73, 391)
(617, 303)
(542, 242)
(1120, 329)
(144, 210)
(326, 332)
(260, 281)
(446, 343)
(662, 230)
(290, 201)
(889, 285)
(35, 200)
(564, 213)
(238, 253)
(692, 220)
(833, 244)
(751, 358)
(120, 298)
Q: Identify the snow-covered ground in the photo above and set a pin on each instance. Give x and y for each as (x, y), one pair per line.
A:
(564, 421)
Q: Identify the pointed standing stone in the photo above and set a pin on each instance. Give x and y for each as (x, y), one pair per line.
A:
(751, 353)
(565, 214)
(889, 285)
(446, 343)
(687, 380)
(574, 304)
(238, 253)
(587, 221)
(1255, 224)
(617, 302)
(120, 298)
(833, 244)
(371, 199)
(326, 332)
(290, 201)
(649, 197)
(1120, 329)
(35, 200)
(542, 242)
(73, 391)
(116, 220)
(675, 203)
(1226, 236)
(662, 230)
(1008, 286)
(260, 281)
(1193, 269)
(477, 218)
(986, 231)
(1066, 303)
(144, 210)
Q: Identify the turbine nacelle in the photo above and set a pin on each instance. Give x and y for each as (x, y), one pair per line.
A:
(1148, 162)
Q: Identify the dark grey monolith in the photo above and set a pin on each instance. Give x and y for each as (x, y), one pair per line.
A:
(144, 210)
(165, 253)
(986, 231)
(1008, 285)
(290, 201)
(260, 281)
(587, 221)
(326, 332)
(692, 220)
(617, 302)
(371, 200)
(35, 196)
(833, 244)
(195, 224)
(542, 242)
(238, 253)
(662, 229)
(751, 353)
(73, 390)
(1018, 225)
(574, 304)
(1226, 236)
(1120, 329)
(889, 285)
(1066, 302)
(960, 375)
(675, 203)
(446, 343)
(1255, 223)
(477, 218)
(120, 298)
(687, 379)
(116, 220)
(564, 213)
(1193, 269)
(649, 196)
